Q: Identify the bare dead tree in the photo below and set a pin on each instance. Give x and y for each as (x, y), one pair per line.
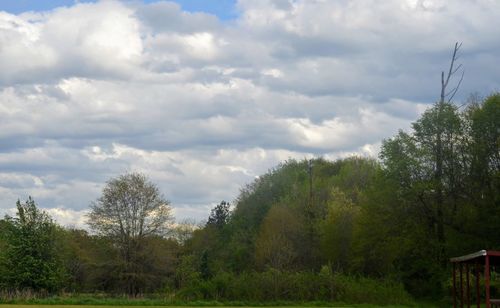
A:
(448, 95)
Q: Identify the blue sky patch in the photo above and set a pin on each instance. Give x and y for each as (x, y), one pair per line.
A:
(224, 9)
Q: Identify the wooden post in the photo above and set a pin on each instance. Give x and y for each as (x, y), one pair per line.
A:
(478, 293)
(461, 287)
(487, 280)
(454, 285)
(467, 288)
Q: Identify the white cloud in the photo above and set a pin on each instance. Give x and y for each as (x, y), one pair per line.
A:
(202, 106)
(69, 217)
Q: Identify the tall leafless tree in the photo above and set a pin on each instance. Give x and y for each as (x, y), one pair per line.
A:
(445, 97)
(453, 69)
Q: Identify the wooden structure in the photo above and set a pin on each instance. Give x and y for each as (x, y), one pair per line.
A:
(485, 259)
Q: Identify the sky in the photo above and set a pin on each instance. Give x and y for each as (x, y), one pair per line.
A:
(204, 96)
(223, 9)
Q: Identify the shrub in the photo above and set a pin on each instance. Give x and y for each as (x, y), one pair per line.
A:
(274, 285)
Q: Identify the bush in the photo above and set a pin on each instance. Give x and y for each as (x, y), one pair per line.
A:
(365, 290)
(274, 285)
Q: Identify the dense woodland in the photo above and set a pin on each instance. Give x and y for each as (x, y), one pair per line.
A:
(354, 229)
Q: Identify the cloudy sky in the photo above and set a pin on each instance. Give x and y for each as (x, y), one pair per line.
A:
(205, 95)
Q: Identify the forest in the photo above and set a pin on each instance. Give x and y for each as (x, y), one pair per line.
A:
(376, 230)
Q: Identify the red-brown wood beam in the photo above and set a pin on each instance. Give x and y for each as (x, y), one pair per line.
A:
(461, 287)
(454, 285)
(467, 285)
(487, 280)
(478, 294)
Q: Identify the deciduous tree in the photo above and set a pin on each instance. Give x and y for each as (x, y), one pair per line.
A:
(130, 210)
(30, 259)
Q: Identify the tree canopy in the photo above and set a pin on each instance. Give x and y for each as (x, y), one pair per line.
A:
(131, 212)
(305, 230)
(29, 258)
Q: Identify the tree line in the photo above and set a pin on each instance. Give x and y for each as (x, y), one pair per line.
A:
(354, 229)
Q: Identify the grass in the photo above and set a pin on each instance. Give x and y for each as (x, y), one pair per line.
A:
(44, 303)
(192, 305)
(95, 300)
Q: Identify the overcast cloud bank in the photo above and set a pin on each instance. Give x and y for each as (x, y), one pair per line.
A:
(203, 106)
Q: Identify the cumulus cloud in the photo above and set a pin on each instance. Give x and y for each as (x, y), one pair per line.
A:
(203, 106)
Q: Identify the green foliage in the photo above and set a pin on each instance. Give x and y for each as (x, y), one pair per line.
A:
(219, 215)
(278, 239)
(302, 193)
(186, 274)
(29, 258)
(365, 290)
(338, 230)
(483, 185)
(135, 217)
(274, 285)
(383, 228)
(445, 190)
(399, 220)
(92, 262)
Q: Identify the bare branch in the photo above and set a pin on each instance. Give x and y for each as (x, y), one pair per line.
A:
(456, 69)
(456, 88)
(451, 71)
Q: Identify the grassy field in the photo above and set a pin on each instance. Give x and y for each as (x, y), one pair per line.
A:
(135, 306)
(98, 302)
(100, 306)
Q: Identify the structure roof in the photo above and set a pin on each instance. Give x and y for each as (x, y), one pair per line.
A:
(479, 257)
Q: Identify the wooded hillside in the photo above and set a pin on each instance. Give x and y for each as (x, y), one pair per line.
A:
(305, 230)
